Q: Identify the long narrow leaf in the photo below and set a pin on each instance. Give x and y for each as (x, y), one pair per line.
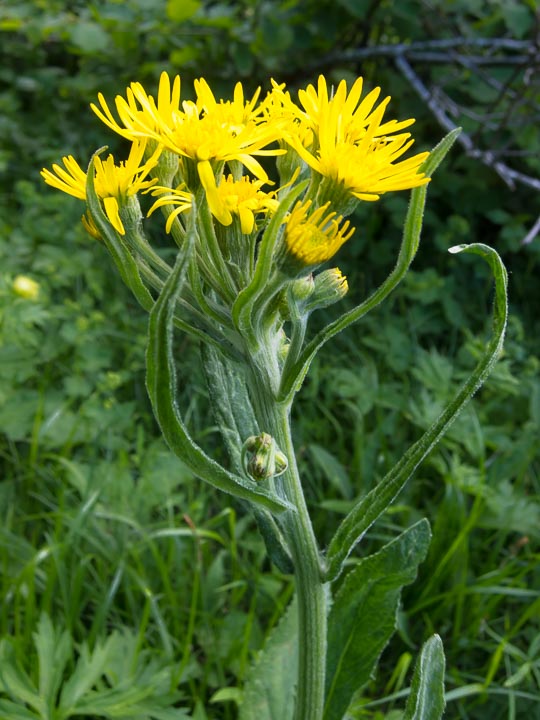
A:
(161, 384)
(364, 514)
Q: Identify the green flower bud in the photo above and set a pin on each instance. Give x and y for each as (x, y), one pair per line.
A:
(330, 286)
(261, 457)
(299, 292)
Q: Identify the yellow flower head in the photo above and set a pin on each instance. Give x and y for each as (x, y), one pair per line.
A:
(140, 114)
(207, 131)
(353, 148)
(312, 239)
(244, 198)
(114, 183)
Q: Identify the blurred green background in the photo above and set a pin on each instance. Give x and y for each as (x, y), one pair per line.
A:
(127, 588)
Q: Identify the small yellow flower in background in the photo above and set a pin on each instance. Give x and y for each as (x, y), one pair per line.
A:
(313, 238)
(169, 196)
(25, 287)
(114, 183)
(235, 113)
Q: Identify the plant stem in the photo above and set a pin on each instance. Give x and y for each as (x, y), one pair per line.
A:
(310, 588)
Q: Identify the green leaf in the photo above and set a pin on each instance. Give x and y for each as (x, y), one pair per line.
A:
(13, 711)
(270, 687)
(243, 307)
(426, 701)
(181, 10)
(88, 670)
(367, 510)
(54, 649)
(14, 681)
(161, 384)
(332, 469)
(231, 405)
(89, 37)
(363, 615)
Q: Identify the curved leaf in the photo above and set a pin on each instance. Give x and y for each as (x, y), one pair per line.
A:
(364, 514)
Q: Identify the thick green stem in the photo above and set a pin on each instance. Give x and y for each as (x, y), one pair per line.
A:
(310, 590)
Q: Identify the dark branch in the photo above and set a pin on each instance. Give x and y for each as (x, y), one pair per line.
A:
(508, 174)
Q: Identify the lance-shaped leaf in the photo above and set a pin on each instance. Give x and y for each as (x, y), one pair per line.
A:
(295, 375)
(118, 249)
(426, 701)
(363, 615)
(161, 384)
(364, 514)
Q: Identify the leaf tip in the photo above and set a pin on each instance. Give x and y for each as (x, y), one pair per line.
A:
(455, 249)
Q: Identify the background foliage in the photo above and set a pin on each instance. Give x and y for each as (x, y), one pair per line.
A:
(116, 567)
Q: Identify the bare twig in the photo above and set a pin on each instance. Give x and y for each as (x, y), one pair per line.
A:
(438, 51)
(508, 174)
(533, 232)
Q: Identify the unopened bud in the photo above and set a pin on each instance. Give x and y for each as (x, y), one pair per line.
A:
(261, 457)
(298, 295)
(25, 287)
(330, 286)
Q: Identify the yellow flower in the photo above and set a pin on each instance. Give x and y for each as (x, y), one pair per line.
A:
(169, 196)
(313, 238)
(151, 117)
(352, 147)
(244, 198)
(206, 131)
(114, 183)
(25, 287)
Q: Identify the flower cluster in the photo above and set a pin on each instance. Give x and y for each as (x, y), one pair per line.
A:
(188, 152)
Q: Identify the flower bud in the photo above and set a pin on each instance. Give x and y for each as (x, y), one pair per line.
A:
(261, 457)
(299, 292)
(25, 287)
(330, 286)
(302, 288)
